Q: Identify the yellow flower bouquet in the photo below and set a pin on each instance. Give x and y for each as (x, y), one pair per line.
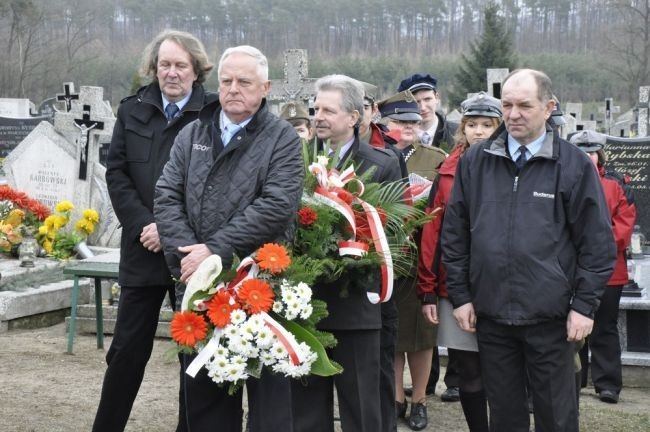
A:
(60, 243)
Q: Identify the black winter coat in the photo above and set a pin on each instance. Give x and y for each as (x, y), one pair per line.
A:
(525, 247)
(142, 139)
(233, 200)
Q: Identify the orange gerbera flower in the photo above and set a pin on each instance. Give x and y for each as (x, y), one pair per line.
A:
(187, 328)
(256, 296)
(273, 257)
(219, 309)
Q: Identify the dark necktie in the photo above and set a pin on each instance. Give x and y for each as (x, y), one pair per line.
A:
(171, 110)
(521, 160)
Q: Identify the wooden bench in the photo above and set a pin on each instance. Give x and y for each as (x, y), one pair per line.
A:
(90, 269)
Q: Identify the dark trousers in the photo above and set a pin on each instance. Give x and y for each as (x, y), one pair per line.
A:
(542, 349)
(208, 407)
(388, 337)
(135, 327)
(605, 346)
(357, 388)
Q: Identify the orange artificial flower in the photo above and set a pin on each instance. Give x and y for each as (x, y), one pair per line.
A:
(273, 257)
(187, 328)
(256, 296)
(219, 309)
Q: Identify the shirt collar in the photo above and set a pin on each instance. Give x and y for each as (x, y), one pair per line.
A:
(224, 121)
(180, 104)
(344, 148)
(533, 147)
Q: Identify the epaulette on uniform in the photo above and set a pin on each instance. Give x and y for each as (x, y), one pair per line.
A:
(128, 97)
(136, 94)
(434, 149)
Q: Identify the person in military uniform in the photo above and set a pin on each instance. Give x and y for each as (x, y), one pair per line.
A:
(434, 130)
(296, 114)
(146, 126)
(415, 337)
(401, 112)
(353, 320)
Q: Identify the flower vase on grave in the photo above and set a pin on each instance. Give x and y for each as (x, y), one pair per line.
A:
(27, 251)
(83, 250)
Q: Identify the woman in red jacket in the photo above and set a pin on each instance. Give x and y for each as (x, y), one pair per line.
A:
(481, 117)
(604, 343)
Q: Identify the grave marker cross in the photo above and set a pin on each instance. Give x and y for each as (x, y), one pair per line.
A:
(85, 125)
(68, 95)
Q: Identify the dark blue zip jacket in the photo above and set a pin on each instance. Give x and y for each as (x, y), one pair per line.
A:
(525, 247)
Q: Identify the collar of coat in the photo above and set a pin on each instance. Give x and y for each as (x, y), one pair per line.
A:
(150, 98)
(209, 113)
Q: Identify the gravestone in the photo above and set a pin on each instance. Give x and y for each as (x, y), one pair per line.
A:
(61, 161)
(624, 125)
(644, 104)
(495, 79)
(574, 109)
(67, 96)
(16, 122)
(296, 85)
(631, 156)
(607, 110)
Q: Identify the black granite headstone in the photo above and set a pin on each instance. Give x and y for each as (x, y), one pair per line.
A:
(631, 156)
(103, 152)
(14, 130)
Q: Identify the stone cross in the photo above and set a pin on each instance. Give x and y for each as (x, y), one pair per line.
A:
(85, 125)
(644, 105)
(608, 111)
(68, 95)
(296, 85)
(494, 80)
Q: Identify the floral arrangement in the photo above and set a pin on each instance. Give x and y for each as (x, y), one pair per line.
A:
(60, 243)
(20, 215)
(258, 314)
(347, 224)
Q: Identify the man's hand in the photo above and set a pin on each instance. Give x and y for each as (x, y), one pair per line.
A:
(196, 253)
(150, 239)
(430, 312)
(578, 326)
(465, 317)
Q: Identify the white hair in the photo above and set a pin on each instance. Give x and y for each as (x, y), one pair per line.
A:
(262, 62)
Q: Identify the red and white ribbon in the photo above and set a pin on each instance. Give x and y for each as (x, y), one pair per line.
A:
(285, 338)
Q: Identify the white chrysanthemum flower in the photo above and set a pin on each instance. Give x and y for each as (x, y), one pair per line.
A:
(230, 330)
(277, 307)
(289, 296)
(220, 351)
(322, 160)
(278, 350)
(247, 330)
(256, 321)
(267, 358)
(293, 310)
(303, 290)
(237, 316)
(236, 373)
(306, 311)
(264, 338)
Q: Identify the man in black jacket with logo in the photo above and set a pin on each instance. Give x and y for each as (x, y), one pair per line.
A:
(528, 248)
(146, 126)
(233, 182)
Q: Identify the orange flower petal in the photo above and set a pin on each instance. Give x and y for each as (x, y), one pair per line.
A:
(188, 328)
(256, 296)
(273, 257)
(219, 309)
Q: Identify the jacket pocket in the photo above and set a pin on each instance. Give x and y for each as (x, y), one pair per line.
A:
(139, 141)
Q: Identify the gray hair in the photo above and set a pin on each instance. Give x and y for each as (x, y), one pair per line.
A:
(544, 84)
(189, 42)
(262, 62)
(351, 91)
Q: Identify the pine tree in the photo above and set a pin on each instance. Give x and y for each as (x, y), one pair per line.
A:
(493, 49)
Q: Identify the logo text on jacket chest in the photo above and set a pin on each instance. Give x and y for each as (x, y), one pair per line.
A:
(543, 195)
(200, 147)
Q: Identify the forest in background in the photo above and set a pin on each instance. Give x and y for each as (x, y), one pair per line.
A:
(592, 49)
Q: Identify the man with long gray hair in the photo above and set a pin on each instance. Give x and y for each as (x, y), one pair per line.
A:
(144, 132)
